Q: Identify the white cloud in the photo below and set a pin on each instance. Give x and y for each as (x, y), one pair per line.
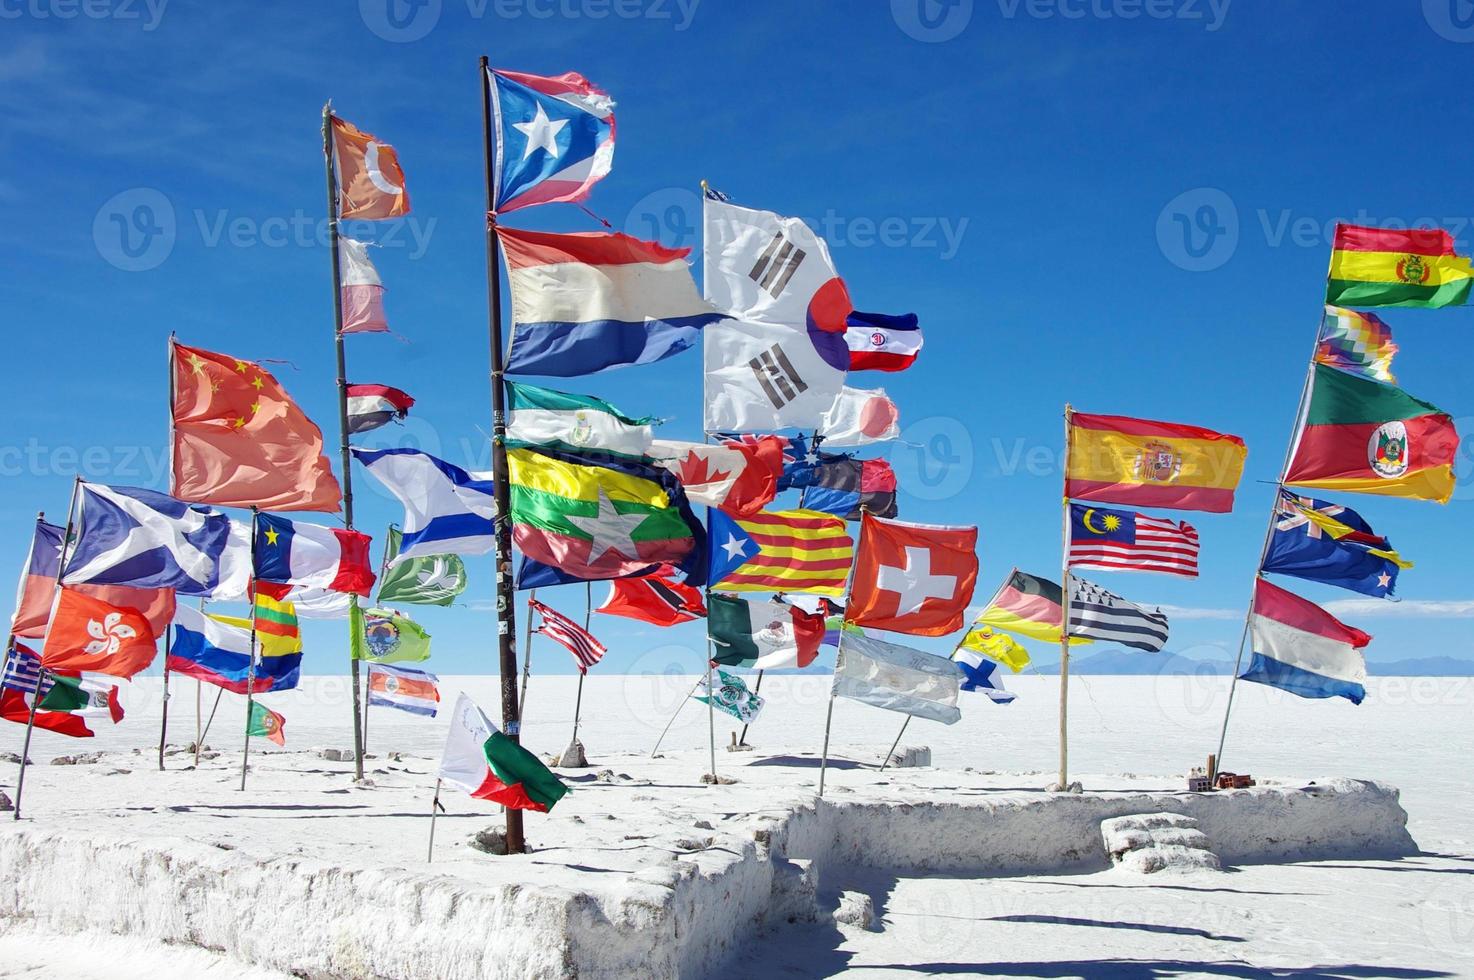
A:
(1188, 612)
(1432, 608)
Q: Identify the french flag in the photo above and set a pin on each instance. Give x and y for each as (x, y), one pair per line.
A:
(592, 301)
(298, 553)
(880, 342)
(1303, 649)
(372, 406)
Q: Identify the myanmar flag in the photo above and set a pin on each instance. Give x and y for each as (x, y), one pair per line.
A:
(1382, 267)
(599, 516)
(1361, 436)
(490, 766)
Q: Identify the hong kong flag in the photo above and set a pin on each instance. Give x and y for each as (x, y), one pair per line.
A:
(913, 578)
(89, 634)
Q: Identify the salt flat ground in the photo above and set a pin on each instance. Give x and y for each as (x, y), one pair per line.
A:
(1409, 918)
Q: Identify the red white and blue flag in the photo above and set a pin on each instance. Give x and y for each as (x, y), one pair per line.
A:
(591, 301)
(578, 641)
(372, 406)
(298, 553)
(1121, 541)
(880, 342)
(404, 688)
(554, 137)
(1301, 648)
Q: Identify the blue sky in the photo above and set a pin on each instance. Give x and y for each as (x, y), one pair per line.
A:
(1124, 204)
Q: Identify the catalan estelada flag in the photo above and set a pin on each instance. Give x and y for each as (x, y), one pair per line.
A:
(1361, 436)
(1120, 460)
(780, 551)
(1382, 267)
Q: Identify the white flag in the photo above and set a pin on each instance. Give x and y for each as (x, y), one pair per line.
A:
(897, 678)
(859, 417)
(761, 378)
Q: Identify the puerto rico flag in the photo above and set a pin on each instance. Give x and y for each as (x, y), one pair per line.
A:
(879, 342)
(554, 137)
(591, 301)
(298, 553)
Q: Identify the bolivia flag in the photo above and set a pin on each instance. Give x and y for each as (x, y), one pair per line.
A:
(1300, 647)
(1119, 460)
(598, 517)
(1360, 436)
(763, 635)
(490, 766)
(1381, 267)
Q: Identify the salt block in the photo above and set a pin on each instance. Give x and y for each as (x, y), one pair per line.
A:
(910, 757)
(856, 909)
(1150, 842)
(795, 891)
(573, 757)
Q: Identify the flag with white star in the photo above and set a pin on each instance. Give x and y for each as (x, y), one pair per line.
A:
(554, 137)
(1329, 543)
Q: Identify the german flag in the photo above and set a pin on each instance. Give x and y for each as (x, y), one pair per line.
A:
(1381, 267)
(1027, 605)
(780, 551)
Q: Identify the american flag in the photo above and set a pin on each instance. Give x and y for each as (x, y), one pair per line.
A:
(1118, 540)
(557, 627)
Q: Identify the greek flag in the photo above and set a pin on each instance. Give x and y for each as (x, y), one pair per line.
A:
(1098, 614)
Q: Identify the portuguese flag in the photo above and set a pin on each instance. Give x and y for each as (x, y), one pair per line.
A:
(490, 766)
(265, 723)
(1361, 436)
(597, 515)
(1381, 267)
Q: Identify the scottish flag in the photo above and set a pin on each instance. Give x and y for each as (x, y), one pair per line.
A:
(146, 539)
(554, 137)
(446, 509)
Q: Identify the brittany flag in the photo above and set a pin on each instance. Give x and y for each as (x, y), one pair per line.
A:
(370, 182)
(404, 688)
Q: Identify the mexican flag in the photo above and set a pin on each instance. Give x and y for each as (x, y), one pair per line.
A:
(490, 766)
(762, 635)
(1362, 436)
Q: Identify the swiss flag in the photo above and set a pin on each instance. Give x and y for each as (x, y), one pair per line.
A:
(89, 634)
(913, 578)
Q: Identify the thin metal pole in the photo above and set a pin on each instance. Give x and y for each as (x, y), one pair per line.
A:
(742, 739)
(198, 717)
(251, 666)
(1064, 619)
(347, 454)
(588, 618)
(25, 752)
(208, 722)
(526, 654)
(506, 612)
(434, 809)
(824, 756)
(887, 760)
(711, 723)
(674, 716)
(164, 723)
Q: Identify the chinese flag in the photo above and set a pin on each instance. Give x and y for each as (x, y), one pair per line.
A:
(240, 440)
(913, 578)
(89, 634)
(370, 183)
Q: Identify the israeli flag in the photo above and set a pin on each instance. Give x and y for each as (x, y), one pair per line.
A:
(447, 510)
(146, 539)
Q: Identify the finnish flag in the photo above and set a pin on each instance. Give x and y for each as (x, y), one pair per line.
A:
(447, 510)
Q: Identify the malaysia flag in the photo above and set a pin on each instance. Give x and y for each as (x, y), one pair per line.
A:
(880, 342)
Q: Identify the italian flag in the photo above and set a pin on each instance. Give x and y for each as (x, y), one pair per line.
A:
(1382, 267)
(1362, 436)
(490, 766)
(763, 635)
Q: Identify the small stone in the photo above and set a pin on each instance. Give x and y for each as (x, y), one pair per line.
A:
(11, 757)
(490, 841)
(117, 772)
(604, 776)
(364, 783)
(336, 755)
(573, 757)
(396, 756)
(856, 909)
(703, 825)
(64, 760)
(709, 779)
(5, 805)
(1074, 787)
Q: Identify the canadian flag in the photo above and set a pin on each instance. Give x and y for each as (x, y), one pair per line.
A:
(370, 182)
(740, 478)
(913, 578)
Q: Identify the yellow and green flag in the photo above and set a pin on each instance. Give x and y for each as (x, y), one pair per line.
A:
(1382, 267)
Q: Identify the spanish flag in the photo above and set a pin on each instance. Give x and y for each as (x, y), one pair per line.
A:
(1382, 267)
(1361, 436)
(1114, 459)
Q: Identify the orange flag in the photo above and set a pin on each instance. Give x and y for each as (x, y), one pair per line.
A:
(89, 634)
(370, 183)
(240, 440)
(913, 578)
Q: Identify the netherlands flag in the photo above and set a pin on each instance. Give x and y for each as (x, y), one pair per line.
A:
(879, 342)
(554, 137)
(591, 301)
(1303, 649)
(409, 690)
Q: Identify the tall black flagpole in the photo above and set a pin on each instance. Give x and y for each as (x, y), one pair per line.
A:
(353, 620)
(506, 618)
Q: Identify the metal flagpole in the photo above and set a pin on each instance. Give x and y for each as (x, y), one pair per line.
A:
(1305, 393)
(251, 666)
(61, 566)
(333, 235)
(674, 716)
(711, 723)
(526, 656)
(588, 618)
(383, 570)
(208, 722)
(435, 808)
(506, 613)
(1064, 618)
(164, 723)
(887, 760)
(198, 717)
(829, 714)
(758, 686)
